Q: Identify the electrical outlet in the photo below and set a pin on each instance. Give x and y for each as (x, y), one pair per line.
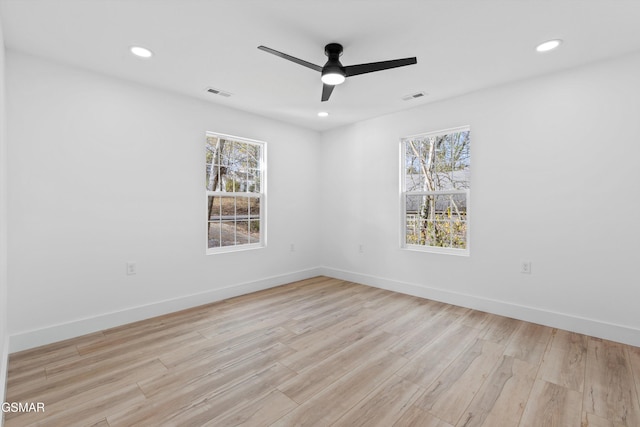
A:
(292, 248)
(525, 267)
(361, 248)
(132, 268)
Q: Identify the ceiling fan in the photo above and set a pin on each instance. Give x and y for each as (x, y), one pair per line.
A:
(334, 73)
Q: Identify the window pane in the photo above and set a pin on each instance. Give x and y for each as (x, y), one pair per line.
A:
(214, 235)
(415, 162)
(413, 204)
(413, 230)
(213, 147)
(459, 234)
(242, 208)
(209, 168)
(253, 181)
(461, 160)
(458, 205)
(458, 221)
(254, 208)
(441, 169)
(254, 231)
(227, 207)
(437, 213)
(227, 233)
(242, 232)
(214, 207)
(237, 160)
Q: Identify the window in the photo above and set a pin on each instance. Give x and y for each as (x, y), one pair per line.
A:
(235, 189)
(435, 185)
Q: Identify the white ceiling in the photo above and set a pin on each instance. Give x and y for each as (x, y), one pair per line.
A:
(461, 46)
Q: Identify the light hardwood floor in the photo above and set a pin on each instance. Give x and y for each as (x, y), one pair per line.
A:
(324, 352)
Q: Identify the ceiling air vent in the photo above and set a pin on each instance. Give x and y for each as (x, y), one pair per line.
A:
(413, 96)
(218, 92)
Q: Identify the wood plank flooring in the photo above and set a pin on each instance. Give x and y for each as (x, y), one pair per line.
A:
(325, 352)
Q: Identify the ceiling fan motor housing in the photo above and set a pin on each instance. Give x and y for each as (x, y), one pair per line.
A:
(333, 65)
(333, 51)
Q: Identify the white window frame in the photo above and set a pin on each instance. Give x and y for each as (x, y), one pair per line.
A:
(403, 200)
(262, 196)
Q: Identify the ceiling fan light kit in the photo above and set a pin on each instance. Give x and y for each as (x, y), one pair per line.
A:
(334, 73)
(333, 79)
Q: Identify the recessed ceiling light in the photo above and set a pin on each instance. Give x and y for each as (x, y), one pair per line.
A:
(323, 114)
(548, 45)
(141, 52)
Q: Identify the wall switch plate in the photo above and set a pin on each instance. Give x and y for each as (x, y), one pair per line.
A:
(293, 247)
(132, 268)
(525, 267)
(361, 248)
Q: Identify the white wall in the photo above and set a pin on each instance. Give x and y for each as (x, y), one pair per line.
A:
(555, 180)
(103, 172)
(4, 336)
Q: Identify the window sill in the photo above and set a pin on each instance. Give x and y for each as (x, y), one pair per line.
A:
(437, 250)
(239, 248)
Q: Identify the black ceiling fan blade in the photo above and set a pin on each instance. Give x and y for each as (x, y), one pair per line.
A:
(354, 70)
(291, 58)
(326, 91)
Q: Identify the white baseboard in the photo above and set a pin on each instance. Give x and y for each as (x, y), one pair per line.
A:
(592, 327)
(4, 366)
(48, 335)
